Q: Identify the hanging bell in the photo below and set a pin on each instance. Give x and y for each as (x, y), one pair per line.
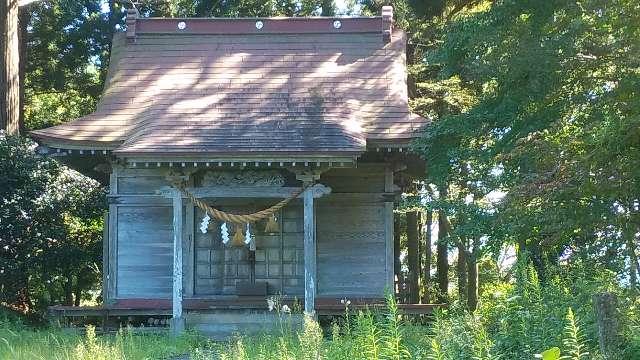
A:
(272, 226)
(238, 237)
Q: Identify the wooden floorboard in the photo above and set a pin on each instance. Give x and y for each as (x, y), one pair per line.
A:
(155, 307)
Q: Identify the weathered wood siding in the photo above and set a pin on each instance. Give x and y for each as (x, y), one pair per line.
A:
(293, 252)
(143, 235)
(145, 252)
(352, 241)
(351, 234)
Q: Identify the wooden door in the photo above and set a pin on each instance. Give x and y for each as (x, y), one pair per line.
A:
(218, 267)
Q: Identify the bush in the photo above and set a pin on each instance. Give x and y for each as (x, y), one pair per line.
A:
(50, 229)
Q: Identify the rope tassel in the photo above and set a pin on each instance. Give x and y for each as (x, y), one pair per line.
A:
(272, 226)
(238, 237)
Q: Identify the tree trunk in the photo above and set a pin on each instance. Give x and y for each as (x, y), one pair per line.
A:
(521, 253)
(420, 230)
(538, 261)
(9, 68)
(605, 307)
(442, 261)
(3, 67)
(396, 252)
(328, 8)
(412, 256)
(68, 291)
(629, 232)
(24, 20)
(472, 282)
(426, 272)
(461, 270)
(77, 295)
(633, 264)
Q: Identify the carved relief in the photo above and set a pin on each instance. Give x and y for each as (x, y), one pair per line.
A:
(244, 178)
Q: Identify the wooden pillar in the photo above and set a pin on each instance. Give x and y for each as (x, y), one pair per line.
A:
(177, 321)
(397, 265)
(389, 229)
(105, 257)
(111, 260)
(389, 247)
(309, 253)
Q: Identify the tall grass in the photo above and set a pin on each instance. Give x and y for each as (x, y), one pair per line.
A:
(511, 324)
(18, 342)
(360, 335)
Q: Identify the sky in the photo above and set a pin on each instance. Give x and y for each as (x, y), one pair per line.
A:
(342, 7)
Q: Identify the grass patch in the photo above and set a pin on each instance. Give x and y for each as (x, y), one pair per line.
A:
(364, 335)
(25, 343)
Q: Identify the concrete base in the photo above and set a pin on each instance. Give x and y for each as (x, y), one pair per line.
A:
(177, 326)
(224, 324)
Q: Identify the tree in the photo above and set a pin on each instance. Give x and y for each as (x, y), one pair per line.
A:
(50, 226)
(68, 43)
(9, 67)
(538, 102)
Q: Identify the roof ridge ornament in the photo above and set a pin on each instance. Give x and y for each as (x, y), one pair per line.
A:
(132, 18)
(387, 23)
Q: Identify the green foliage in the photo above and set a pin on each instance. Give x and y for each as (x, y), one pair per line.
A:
(392, 338)
(19, 343)
(538, 103)
(50, 228)
(49, 109)
(573, 341)
(369, 336)
(550, 354)
(460, 335)
(238, 8)
(498, 330)
(310, 339)
(67, 45)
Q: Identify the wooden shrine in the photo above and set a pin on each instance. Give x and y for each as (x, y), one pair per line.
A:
(247, 159)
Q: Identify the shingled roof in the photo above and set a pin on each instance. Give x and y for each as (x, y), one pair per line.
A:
(312, 87)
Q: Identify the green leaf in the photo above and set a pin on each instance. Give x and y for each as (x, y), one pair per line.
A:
(551, 354)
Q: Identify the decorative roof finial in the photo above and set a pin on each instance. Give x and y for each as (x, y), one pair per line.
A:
(132, 17)
(387, 23)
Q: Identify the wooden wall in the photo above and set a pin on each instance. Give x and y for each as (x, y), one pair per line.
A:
(354, 241)
(352, 234)
(141, 242)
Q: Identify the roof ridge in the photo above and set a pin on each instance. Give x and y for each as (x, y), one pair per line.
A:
(137, 25)
(233, 18)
